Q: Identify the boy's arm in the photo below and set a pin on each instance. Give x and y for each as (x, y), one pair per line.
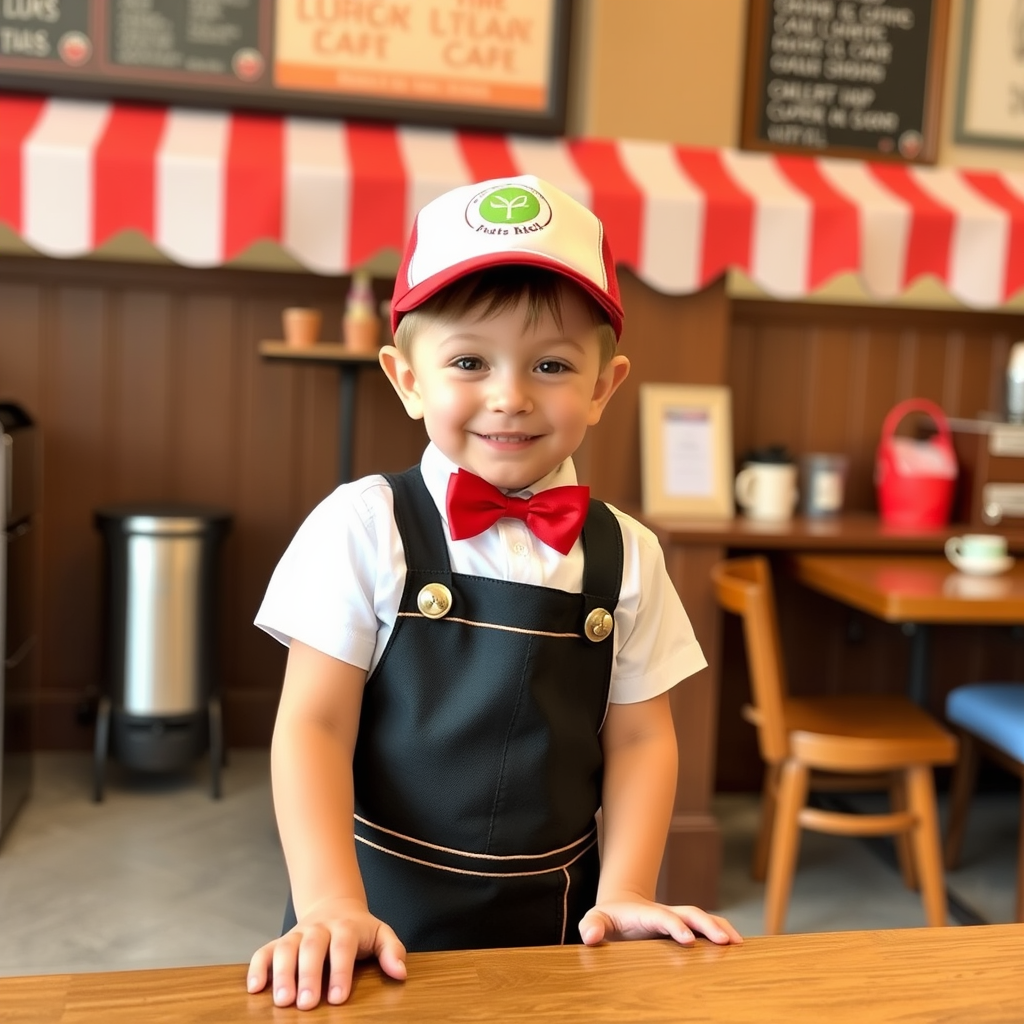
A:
(311, 766)
(640, 763)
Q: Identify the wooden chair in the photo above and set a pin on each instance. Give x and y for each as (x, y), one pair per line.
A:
(989, 718)
(849, 741)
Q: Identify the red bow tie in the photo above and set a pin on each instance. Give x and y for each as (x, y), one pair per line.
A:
(554, 516)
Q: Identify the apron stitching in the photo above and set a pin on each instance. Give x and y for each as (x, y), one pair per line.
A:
(565, 904)
(467, 853)
(494, 625)
(478, 874)
(504, 750)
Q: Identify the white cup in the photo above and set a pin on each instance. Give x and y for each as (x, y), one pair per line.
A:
(767, 490)
(977, 552)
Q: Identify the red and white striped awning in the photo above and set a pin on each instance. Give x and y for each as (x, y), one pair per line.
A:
(204, 185)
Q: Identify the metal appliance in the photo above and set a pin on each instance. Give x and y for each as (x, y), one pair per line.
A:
(1015, 384)
(160, 706)
(19, 476)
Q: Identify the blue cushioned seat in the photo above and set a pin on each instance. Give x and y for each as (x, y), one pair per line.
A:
(994, 712)
(990, 720)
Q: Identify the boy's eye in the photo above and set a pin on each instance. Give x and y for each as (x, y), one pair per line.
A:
(552, 366)
(468, 363)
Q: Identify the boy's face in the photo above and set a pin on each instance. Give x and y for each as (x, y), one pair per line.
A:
(504, 401)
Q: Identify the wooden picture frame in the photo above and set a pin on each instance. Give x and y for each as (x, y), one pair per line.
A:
(816, 82)
(686, 450)
(480, 68)
(990, 92)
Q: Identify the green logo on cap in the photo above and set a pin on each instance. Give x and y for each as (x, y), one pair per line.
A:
(510, 205)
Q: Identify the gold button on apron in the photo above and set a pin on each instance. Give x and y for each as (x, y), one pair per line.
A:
(598, 626)
(434, 600)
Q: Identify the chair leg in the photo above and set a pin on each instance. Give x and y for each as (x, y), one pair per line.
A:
(927, 845)
(965, 776)
(903, 840)
(759, 868)
(791, 798)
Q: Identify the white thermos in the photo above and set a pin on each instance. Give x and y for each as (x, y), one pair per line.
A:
(1015, 384)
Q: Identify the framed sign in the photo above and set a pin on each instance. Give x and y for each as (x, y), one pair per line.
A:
(855, 78)
(686, 449)
(990, 92)
(500, 64)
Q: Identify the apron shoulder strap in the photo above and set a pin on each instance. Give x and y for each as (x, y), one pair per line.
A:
(602, 547)
(419, 524)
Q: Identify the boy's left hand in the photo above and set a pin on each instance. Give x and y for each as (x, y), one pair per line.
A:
(637, 918)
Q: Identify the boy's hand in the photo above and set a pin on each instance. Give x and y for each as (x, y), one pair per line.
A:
(636, 918)
(337, 932)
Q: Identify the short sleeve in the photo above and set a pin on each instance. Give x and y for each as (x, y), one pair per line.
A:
(657, 647)
(324, 590)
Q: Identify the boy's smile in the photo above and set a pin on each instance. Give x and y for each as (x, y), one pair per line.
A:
(503, 400)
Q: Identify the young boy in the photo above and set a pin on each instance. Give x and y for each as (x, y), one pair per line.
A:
(470, 677)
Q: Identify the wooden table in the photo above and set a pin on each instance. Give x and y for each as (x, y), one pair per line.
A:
(918, 591)
(911, 976)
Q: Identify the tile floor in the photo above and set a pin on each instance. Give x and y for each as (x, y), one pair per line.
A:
(160, 875)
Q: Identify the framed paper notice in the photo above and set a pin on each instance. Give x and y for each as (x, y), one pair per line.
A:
(990, 94)
(686, 441)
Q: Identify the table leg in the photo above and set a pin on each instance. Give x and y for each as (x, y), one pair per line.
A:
(920, 660)
(346, 419)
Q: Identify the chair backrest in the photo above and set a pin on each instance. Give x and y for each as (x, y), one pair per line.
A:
(744, 586)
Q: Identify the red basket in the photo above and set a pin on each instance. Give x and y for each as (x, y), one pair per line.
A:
(915, 480)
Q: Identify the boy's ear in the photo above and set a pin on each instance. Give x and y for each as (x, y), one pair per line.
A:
(608, 383)
(403, 379)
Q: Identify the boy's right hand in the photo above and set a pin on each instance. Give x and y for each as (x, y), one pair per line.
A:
(342, 930)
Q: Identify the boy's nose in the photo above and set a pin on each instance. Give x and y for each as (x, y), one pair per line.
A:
(509, 394)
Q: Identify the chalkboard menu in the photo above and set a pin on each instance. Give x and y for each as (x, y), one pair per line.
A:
(485, 63)
(857, 78)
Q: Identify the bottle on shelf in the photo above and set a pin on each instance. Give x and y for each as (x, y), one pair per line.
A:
(361, 324)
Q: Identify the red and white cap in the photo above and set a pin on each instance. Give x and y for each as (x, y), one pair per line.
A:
(520, 220)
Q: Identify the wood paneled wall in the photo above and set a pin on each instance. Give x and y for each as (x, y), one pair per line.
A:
(821, 378)
(147, 385)
(667, 338)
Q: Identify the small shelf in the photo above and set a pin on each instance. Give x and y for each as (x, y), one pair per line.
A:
(348, 364)
(321, 352)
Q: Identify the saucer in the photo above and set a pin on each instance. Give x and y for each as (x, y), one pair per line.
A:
(981, 566)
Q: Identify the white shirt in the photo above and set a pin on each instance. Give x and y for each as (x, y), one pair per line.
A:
(339, 584)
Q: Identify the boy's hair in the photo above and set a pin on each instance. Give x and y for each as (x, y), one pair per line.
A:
(498, 289)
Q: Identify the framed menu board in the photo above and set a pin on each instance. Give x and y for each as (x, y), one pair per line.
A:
(482, 63)
(857, 78)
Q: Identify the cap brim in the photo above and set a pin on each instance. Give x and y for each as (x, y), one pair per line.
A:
(419, 293)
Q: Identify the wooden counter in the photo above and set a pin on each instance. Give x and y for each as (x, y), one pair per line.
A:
(850, 532)
(911, 976)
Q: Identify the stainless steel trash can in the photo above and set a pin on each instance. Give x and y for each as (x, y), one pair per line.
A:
(160, 703)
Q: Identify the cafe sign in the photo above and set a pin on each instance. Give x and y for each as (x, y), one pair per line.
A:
(481, 63)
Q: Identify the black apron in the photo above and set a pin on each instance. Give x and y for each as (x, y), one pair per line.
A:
(478, 764)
